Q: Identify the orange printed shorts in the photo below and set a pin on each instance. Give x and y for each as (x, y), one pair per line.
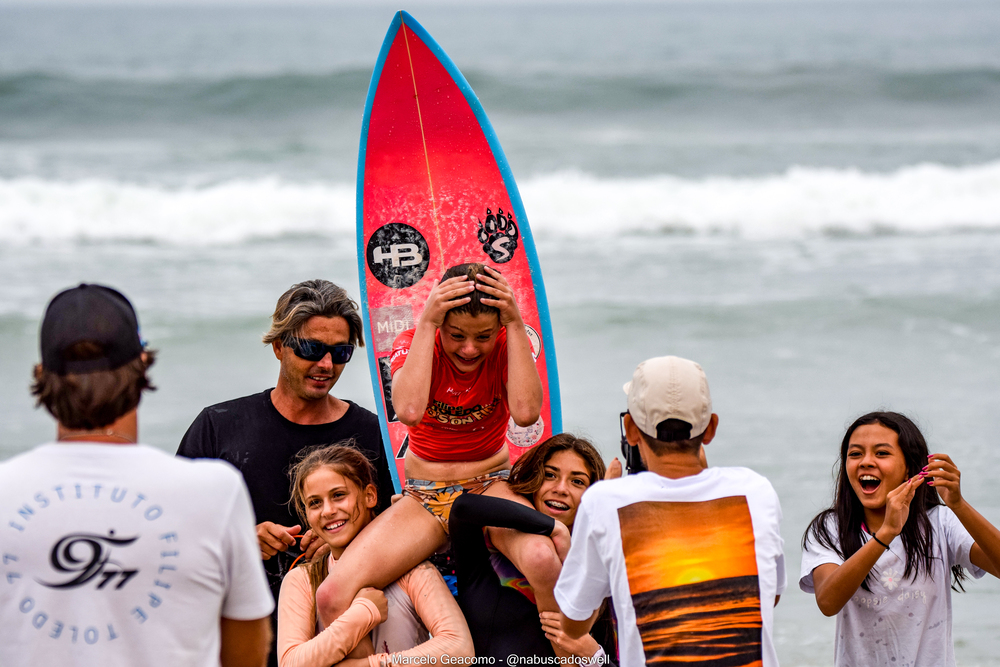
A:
(437, 497)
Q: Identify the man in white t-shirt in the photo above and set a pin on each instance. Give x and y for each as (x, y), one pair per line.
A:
(691, 556)
(114, 553)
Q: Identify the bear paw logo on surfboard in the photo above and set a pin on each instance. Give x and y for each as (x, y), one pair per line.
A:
(498, 234)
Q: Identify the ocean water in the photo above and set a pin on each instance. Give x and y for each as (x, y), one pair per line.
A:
(803, 197)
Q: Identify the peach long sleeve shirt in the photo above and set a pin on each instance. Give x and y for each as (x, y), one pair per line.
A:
(419, 603)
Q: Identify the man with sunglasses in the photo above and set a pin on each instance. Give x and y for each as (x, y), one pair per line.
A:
(314, 330)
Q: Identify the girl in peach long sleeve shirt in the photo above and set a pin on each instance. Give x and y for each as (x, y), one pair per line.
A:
(334, 491)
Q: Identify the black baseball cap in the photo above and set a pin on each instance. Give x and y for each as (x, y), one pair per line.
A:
(92, 313)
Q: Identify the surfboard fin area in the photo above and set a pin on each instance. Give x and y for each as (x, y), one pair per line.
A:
(435, 190)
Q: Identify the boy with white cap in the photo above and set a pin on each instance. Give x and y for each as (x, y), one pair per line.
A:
(691, 555)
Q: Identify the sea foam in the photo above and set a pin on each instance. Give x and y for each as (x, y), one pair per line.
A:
(920, 199)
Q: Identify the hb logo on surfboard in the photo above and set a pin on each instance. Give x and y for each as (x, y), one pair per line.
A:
(498, 234)
(398, 255)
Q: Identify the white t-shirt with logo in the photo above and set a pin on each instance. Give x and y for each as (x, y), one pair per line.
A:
(901, 622)
(693, 564)
(121, 555)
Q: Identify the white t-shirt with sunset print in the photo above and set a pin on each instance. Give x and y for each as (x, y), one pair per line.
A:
(693, 565)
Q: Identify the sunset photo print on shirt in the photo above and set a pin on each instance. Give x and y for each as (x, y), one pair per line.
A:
(692, 573)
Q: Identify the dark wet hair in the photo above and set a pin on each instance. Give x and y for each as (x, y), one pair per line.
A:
(475, 306)
(673, 435)
(918, 538)
(528, 472)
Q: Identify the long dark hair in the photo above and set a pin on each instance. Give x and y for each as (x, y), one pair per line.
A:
(528, 472)
(918, 538)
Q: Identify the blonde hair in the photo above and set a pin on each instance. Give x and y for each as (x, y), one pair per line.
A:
(347, 460)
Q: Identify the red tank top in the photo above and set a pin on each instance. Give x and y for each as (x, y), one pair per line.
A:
(467, 414)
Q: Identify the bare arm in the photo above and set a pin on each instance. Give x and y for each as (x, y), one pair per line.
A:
(836, 584)
(411, 384)
(944, 475)
(524, 387)
(245, 643)
(584, 646)
(576, 629)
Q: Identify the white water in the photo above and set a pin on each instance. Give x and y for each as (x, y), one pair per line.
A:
(920, 199)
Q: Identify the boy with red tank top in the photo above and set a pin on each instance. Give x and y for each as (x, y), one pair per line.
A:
(458, 377)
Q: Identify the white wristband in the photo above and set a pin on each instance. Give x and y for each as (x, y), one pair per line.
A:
(599, 658)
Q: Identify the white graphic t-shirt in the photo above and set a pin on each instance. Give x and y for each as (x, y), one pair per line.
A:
(692, 565)
(901, 622)
(122, 555)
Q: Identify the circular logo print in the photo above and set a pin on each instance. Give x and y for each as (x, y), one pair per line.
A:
(525, 436)
(397, 255)
(535, 340)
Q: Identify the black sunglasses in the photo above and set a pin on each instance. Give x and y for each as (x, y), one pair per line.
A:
(313, 350)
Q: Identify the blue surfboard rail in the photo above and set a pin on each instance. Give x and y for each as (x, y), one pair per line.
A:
(383, 419)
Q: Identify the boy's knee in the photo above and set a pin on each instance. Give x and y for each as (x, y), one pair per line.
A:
(541, 564)
(329, 599)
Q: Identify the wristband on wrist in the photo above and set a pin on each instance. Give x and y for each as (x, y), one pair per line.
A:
(875, 537)
(599, 658)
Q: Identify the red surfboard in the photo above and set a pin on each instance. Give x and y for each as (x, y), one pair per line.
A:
(435, 190)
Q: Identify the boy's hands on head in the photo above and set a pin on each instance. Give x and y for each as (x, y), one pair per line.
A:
(500, 296)
(443, 297)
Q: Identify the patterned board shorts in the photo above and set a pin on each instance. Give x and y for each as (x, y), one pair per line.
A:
(437, 497)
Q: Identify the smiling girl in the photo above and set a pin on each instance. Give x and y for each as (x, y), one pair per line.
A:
(458, 378)
(333, 490)
(883, 557)
(498, 602)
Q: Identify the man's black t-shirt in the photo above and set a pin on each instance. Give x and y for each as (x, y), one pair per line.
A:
(251, 434)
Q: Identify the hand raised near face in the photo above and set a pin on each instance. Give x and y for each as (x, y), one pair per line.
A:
(444, 296)
(942, 473)
(897, 508)
(499, 295)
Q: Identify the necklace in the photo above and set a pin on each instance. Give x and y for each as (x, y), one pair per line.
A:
(107, 433)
